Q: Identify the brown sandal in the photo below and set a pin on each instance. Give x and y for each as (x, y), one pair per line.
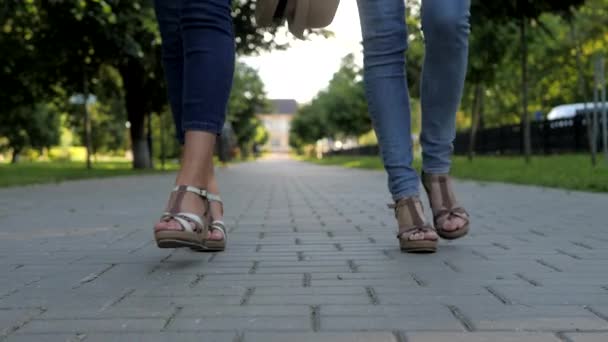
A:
(194, 228)
(217, 245)
(407, 212)
(444, 205)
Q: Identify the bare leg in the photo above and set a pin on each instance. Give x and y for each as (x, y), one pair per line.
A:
(196, 170)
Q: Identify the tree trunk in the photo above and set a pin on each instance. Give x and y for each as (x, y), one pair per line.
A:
(87, 119)
(15, 155)
(244, 152)
(583, 89)
(135, 101)
(161, 117)
(477, 109)
(139, 143)
(525, 119)
(149, 140)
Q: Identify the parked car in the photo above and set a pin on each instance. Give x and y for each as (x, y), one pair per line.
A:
(570, 110)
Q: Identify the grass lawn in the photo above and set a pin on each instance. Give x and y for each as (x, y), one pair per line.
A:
(561, 171)
(38, 172)
(24, 173)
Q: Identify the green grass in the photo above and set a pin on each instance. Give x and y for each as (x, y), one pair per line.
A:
(24, 173)
(39, 172)
(572, 172)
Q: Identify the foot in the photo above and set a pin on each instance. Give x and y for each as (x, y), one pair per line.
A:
(453, 223)
(415, 234)
(191, 203)
(451, 220)
(418, 235)
(184, 224)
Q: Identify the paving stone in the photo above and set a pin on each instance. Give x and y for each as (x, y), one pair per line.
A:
(163, 337)
(539, 318)
(320, 337)
(309, 299)
(588, 337)
(481, 337)
(358, 323)
(247, 323)
(92, 325)
(47, 337)
(246, 311)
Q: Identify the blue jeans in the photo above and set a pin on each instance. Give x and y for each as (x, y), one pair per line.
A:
(198, 56)
(445, 24)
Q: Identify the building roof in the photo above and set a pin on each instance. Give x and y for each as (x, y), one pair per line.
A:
(283, 106)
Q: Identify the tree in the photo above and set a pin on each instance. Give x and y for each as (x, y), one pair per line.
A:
(524, 12)
(246, 99)
(488, 44)
(336, 112)
(308, 126)
(344, 101)
(107, 113)
(35, 126)
(23, 78)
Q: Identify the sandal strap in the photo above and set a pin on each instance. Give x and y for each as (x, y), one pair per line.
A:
(409, 203)
(442, 198)
(185, 220)
(181, 191)
(189, 188)
(214, 197)
(457, 211)
(219, 225)
(411, 230)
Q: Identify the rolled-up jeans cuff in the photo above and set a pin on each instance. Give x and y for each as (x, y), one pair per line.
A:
(405, 194)
(205, 126)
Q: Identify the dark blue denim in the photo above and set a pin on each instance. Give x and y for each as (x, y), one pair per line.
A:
(198, 56)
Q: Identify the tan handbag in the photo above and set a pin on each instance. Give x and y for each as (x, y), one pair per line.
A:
(300, 14)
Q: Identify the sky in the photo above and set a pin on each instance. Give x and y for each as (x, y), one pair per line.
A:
(308, 66)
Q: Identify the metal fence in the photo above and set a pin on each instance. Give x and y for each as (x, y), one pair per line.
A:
(547, 137)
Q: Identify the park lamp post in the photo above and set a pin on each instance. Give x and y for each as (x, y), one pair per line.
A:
(85, 100)
(599, 99)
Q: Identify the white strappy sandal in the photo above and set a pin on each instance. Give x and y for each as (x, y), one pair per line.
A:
(217, 245)
(194, 229)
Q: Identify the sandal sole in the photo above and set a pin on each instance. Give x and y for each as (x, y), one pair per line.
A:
(215, 247)
(457, 234)
(166, 239)
(210, 248)
(423, 246)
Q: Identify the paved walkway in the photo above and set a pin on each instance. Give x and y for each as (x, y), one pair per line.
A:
(312, 257)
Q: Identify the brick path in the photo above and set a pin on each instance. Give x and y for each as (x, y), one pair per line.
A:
(312, 257)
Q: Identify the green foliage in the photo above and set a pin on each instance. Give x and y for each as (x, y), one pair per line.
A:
(163, 129)
(495, 54)
(246, 100)
(35, 126)
(261, 135)
(107, 114)
(339, 111)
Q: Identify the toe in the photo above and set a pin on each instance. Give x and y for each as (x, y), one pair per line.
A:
(160, 225)
(417, 236)
(431, 235)
(451, 224)
(216, 235)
